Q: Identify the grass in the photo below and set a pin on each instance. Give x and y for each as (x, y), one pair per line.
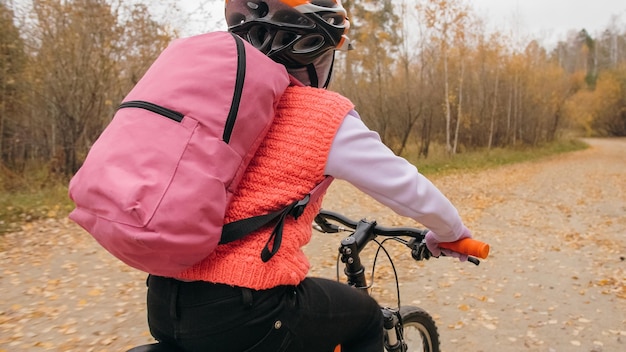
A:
(31, 195)
(439, 164)
(21, 206)
(49, 199)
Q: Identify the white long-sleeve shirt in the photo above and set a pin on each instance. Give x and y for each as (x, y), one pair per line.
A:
(359, 157)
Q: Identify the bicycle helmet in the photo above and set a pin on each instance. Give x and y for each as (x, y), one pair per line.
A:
(291, 32)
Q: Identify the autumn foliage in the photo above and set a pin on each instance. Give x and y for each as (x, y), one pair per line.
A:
(438, 76)
(424, 74)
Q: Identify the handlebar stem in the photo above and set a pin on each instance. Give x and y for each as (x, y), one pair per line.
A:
(354, 270)
(350, 249)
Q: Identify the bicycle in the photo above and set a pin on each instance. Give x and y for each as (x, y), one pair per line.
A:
(407, 328)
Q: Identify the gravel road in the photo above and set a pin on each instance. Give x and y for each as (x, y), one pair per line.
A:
(555, 279)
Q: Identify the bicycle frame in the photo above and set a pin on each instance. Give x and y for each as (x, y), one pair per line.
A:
(350, 249)
(349, 252)
(362, 233)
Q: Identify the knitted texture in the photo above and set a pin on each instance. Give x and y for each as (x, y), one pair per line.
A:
(287, 166)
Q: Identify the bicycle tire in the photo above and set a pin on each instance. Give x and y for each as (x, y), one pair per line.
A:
(419, 330)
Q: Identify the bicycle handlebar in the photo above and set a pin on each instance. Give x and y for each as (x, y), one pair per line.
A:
(467, 246)
(352, 224)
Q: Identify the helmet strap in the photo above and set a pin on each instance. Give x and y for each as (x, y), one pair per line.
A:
(315, 73)
(330, 72)
(310, 68)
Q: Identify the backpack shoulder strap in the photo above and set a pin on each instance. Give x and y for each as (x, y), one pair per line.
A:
(240, 228)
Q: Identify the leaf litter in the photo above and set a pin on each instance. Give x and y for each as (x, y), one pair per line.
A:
(555, 279)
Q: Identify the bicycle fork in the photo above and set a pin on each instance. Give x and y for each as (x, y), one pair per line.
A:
(392, 325)
(355, 273)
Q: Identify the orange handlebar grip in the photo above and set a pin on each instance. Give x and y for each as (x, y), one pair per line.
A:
(468, 246)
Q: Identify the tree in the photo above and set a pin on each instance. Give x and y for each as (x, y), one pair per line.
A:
(12, 64)
(374, 29)
(589, 48)
(447, 21)
(609, 98)
(84, 59)
(490, 57)
(410, 104)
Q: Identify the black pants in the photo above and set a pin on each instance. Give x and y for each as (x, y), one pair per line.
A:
(314, 316)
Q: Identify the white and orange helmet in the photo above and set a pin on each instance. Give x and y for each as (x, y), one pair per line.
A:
(291, 32)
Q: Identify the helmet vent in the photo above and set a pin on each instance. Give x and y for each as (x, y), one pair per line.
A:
(258, 9)
(282, 39)
(291, 17)
(259, 36)
(309, 44)
(333, 18)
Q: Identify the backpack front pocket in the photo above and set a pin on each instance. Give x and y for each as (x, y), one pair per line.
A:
(131, 166)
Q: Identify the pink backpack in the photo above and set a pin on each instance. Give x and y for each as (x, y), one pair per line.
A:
(155, 186)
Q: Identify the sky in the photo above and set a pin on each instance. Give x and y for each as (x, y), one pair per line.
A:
(549, 20)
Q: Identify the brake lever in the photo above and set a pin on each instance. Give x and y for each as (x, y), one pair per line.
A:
(473, 260)
(323, 225)
(420, 252)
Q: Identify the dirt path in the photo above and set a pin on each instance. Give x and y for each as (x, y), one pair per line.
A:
(555, 280)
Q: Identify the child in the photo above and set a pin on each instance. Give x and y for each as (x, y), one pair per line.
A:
(232, 301)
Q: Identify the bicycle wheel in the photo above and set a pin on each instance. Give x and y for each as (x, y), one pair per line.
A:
(419, 330)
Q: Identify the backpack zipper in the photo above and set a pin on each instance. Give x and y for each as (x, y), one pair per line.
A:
(170, 114)
(241, 75)
(234, 107)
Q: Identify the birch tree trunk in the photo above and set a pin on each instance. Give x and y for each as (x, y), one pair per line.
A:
(459, 109)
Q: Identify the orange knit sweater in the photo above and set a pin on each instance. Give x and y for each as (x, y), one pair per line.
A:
(288, 164)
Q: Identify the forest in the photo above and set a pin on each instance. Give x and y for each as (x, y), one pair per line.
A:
(425, 74)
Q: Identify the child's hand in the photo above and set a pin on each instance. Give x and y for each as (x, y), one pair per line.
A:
(432, 242)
